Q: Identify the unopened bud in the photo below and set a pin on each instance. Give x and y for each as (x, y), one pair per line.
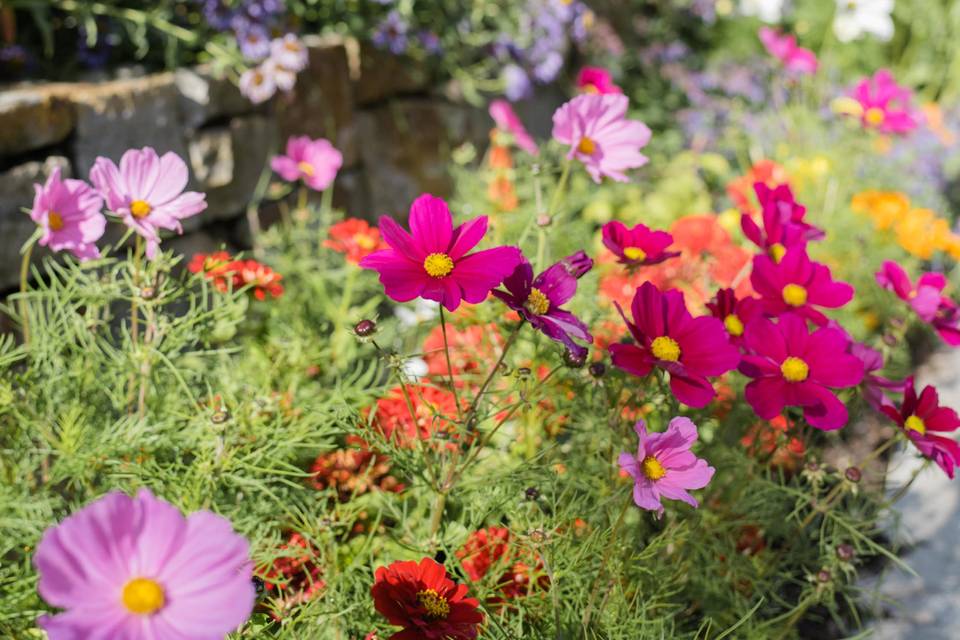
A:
(574, 360)
(853, 474)
(365, 328)
(598, 369)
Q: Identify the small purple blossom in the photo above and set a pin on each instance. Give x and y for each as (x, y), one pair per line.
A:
(391, 34)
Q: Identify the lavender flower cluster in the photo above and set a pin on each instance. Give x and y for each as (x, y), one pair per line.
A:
(250, 20)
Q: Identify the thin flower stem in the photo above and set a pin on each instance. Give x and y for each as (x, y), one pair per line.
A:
(302, 201)
(561, 187)
(326, 207)
(24, 278)
(476, 400)
(134, 312)
(446, 353)
(585, 621)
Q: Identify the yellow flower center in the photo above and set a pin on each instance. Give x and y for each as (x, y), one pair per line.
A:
(306, 169)
(652, 468)
(665, 348)
(635, 253)
(914, 423)
(435, 604)
(794, 369)
(776, 251)
(143, 596)
(591, 88)
(438, 265)
(586, 146)
(364, 241)
(537, 303)
(733, 325)
(54, 221)
(140, 209)
(794, 295)
(874, 116)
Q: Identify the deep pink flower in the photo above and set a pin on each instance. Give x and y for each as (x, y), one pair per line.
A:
(638, 246)
(885, 105)
(782, 217)
(784, 48)
(733, 313)
(507, 120)
(316, 162)
(147, 192)
(136, 569)
(924, 298)
(667, 336)
(600, 136)
(875, 387)
(664, 466)
(70, 213)
(538, 301)
(596, 80)
(946, 322)
(797, 285)
(918, 416)
(431, 261)
(792, 367)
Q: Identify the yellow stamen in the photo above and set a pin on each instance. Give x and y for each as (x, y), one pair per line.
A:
(794, 295)
(306, 169)
(874, 116)
(435, 604)
(652, 468)
(665, 348)
(140, 209)
(537, 303)
(635, 253)
(586, 146)
(438, 265)
(54, 221)
(733, 325)
(143, 596)
(364, 241)
(777, 251)
(914, 423)
(591, 88)
(794, 369)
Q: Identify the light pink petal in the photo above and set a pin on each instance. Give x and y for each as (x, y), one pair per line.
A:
(140, 171)
(286, 167)
(105, 176)
(646, 495)
(171, 181)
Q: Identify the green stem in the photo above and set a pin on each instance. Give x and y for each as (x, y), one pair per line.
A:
(27, 252)
(446, 352)
(134, 311)
(561, 187)
(585, 621)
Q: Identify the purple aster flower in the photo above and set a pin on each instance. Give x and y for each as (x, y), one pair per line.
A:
(547, 69)
(217, 14)
(391, 34)
(430, 42)
(254, 41)
(517, 85)
(538, 301)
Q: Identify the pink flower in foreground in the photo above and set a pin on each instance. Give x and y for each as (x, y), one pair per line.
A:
(733, 313)
(664, 466)
(783, 225)
(792, 367)
(796, 284)
(946, 322)
(924, 298)
(918, 416)
(147, 192)
(137, 569)
(69, 211)
(875, 387)
(316, 162)
(638, 246)
(667, 336)
(507, 120)
(596, 80)
(600, 136)
(784, 48)
(885, 105)
(432, 262)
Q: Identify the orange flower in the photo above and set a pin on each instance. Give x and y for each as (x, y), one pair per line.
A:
(471, 350)
(432, 408)
(500, 158)
(921, 233)
(353, 472)
(771, 439)
(263, 279)
(502, 193)
(883, 207)
(355, 238)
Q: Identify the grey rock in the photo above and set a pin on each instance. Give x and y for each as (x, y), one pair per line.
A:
(384, 75)
(33, 118)
(205, 96)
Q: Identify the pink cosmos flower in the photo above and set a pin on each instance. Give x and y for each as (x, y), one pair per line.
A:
(664, 466)
(733, 313)
(918, 416)
(638, 246)
(316, 162)
(432, 262)
(875, 387)
(600, 136)
(136, 569)
(147, 192)
(924, 298)
(507, 120)
(69, 211)
(885, 105)
(667, 336)
(289, 52)
(792, 367)
(596, 80)
(782, 217)
(784, 48)
(796, 285)
(946, 322)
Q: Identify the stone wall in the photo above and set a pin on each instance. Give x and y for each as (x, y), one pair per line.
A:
(380, 111)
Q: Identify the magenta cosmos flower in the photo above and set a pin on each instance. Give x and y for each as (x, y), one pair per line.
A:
(797, 285)
(596, 80)
(792, 367)
(538, 301)
(784, 48)
(947, 321)
(885, 105)
(638, 246)
(432, 262)
(147, 192)
(664, 466)
(924, 298)
(135, 569)
(600, 136)
(70, 214)
(783, 225)
(668, 337)
(507, 121)
(734, 313)
(316, 162)
(875, 387)
(918, 416)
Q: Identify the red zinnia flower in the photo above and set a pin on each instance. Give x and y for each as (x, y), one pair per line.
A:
(431, 406)
(428, 605)
(353, 472)
(469, 350)
(919, 415)
(262, 278)
(354, 238)
(490, 548)
(295, 575)
(216, 266)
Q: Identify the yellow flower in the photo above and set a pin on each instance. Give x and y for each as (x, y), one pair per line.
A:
(921, 232)
(952, 246)
(884, 207)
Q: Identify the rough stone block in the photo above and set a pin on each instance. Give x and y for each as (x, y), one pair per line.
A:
(204, 97)
(384, 75)
(33, 118)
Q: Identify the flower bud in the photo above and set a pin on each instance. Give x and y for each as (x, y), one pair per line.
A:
(823, 576)
(845, 552)
(853, 474)
(544, 220)
(365, 328)
(574, 360)
(598, 369)
(532, 493)
(577, 264)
